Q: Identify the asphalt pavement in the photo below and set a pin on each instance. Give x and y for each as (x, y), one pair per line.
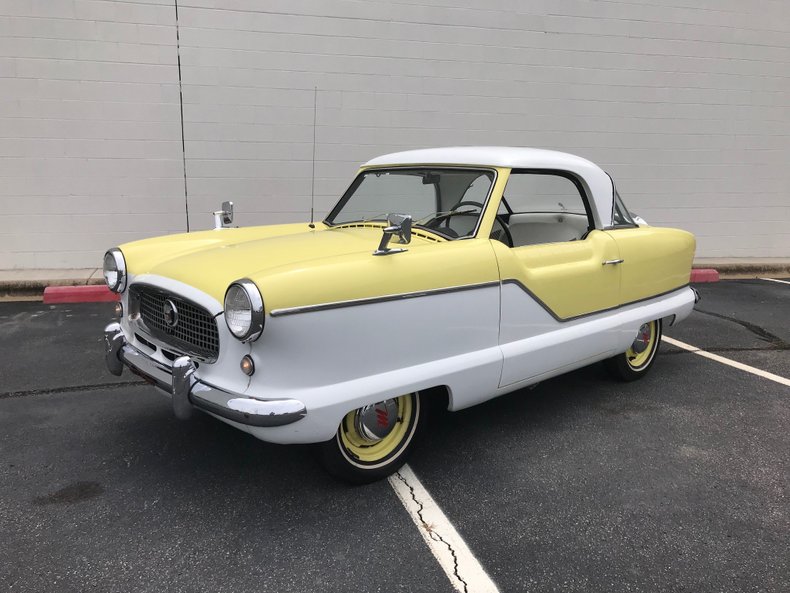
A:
(677, 482)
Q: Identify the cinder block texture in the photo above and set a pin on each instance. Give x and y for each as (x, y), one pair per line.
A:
(684, 103)
(90, 133)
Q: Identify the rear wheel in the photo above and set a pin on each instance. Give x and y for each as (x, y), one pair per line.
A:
(372, 442)
(638, 359)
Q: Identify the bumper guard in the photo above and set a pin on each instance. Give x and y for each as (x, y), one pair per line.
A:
(189, 392)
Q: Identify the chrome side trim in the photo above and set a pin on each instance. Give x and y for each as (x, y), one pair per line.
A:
(382, 299)
(436, 291)
(575, 317)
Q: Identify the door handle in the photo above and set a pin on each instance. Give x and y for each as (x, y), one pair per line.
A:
(612, 262)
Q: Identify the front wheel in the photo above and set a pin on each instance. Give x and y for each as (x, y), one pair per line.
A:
(638, 359)
(372, 442)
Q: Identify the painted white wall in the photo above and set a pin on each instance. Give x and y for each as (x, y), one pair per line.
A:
(685, 102)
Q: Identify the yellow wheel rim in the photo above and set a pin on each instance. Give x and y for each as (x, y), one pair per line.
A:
(362, 450)
(641, 351)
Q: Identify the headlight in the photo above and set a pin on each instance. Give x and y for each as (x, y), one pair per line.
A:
(115, 270)
(244, 310)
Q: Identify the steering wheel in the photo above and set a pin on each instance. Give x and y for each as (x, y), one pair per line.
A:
(508, 238)
(466, 203)
(444, 219)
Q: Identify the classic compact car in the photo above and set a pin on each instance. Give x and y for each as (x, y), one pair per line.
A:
(447, 275)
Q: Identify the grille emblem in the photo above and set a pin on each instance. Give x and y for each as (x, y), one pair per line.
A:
(170, 313)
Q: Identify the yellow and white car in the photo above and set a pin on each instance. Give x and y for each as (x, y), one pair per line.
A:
(450, 275)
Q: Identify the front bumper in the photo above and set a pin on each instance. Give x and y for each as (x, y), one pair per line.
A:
(189, 392)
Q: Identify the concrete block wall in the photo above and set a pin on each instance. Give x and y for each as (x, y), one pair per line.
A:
(686, 103)
(90, 136)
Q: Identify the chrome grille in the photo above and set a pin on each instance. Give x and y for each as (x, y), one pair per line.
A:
(195, 332)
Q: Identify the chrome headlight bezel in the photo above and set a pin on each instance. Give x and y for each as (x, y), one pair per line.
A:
(115, 262)
(254, 329)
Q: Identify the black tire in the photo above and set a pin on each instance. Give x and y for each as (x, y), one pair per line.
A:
(351, 457)
(633, 365)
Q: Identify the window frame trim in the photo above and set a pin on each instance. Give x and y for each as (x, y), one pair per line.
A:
(570, 176)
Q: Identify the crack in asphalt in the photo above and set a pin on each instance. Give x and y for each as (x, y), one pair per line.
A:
(431, 533)
(93, 387)
(758, 331)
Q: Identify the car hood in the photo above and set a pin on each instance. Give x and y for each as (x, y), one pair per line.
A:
(294, 265)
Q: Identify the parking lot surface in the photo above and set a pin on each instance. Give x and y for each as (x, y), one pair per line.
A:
(677, 482)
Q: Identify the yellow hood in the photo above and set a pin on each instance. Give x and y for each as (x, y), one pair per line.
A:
(294, 265)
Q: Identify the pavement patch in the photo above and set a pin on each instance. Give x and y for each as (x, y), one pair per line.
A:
(73, 493)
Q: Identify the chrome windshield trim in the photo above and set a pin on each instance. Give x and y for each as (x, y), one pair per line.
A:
(381, 299)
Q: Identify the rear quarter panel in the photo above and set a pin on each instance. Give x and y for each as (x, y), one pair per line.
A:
(655, 261)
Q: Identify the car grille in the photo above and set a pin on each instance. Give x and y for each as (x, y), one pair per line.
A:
(195, 331)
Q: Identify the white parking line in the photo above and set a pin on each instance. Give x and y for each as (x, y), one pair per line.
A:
(727, 361)
(775, 280)
(447, 546)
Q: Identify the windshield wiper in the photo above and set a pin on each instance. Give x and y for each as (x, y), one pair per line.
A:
(375, 218)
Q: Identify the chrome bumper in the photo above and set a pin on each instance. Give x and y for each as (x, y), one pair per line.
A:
(189, 392)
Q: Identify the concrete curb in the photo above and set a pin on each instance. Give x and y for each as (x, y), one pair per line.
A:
(28, 288)
(78, 294)
(704, 275)
(740, 271)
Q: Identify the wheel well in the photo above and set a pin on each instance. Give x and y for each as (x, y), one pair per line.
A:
(438, 397)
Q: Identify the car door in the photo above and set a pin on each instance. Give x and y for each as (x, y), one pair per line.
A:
(557, 278)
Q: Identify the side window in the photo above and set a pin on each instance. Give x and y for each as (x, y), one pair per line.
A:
(546, 208)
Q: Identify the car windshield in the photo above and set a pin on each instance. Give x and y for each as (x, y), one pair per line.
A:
(442, 200)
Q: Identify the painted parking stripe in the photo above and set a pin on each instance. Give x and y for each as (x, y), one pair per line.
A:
(727, 361)
(775, 280)
(454, 556)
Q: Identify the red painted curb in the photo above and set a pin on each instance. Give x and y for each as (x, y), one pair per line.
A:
(704, 275)
(78, 294)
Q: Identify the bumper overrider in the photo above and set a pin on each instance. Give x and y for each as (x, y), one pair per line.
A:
(189, 392)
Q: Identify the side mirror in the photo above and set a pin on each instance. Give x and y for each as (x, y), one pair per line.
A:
(397, 224)
(224, 217)
(227, 213)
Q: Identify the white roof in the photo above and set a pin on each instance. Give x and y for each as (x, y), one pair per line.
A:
(597, 182)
